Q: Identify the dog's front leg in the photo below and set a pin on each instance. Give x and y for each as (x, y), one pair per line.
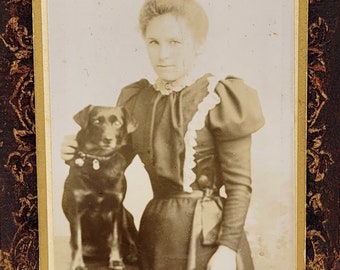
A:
(129, 231)
(78, 261)
(116, 261)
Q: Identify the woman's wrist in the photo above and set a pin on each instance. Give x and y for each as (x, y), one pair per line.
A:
(226, 250)
(223, 258)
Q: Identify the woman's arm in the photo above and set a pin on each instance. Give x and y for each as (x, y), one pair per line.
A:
(232, 122)
(234, 162)
(69, 147)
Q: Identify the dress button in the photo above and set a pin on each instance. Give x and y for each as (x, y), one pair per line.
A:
(167, 86)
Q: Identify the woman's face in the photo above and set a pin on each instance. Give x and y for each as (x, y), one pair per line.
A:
(171, 46)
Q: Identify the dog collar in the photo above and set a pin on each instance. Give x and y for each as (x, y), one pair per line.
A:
(96, 160)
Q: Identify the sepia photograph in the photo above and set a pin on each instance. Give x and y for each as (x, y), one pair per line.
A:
(173, 141)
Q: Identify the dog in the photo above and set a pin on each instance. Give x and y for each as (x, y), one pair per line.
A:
(101, 228)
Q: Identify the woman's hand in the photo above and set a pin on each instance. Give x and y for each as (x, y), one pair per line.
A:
(68, 147)
(223, 259)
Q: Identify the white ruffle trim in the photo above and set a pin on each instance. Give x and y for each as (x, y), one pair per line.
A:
(197, 123)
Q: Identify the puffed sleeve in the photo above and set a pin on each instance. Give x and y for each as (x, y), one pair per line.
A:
(239, 112)
(232, 122)
(127, 99)
(128, 94)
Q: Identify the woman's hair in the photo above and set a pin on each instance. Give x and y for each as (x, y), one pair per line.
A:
(190, 10)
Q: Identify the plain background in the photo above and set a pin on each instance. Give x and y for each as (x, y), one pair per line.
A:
(96, 49)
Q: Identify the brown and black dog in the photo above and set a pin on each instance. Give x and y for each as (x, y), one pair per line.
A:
(101, 228)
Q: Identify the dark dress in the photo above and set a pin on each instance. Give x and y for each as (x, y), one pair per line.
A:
(192, 142)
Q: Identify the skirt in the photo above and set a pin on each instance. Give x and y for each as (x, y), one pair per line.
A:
(165, 233)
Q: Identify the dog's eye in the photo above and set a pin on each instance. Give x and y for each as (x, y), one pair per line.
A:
(96, 122)
(117, 123)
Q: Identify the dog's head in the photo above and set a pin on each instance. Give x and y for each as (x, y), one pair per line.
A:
(103, 129)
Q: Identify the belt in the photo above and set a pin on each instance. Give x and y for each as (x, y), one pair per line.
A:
(194, 194)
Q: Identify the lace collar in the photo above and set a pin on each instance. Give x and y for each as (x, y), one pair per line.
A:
(167, 87)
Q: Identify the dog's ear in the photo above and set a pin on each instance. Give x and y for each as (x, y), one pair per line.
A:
(131, 124)
(82, 117)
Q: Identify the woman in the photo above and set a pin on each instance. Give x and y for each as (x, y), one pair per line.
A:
(194, 137)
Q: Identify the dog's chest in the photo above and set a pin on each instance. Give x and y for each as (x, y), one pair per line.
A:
(104, 201)
(98, 187)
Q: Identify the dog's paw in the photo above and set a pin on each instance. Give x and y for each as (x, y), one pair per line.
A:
(80, 268)
(78, 264)
(116, 265)
(131, 256)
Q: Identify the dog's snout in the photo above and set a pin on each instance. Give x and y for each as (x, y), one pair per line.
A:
(107, 139)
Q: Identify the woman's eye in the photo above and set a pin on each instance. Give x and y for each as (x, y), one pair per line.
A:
(153, 42)
(175, 42)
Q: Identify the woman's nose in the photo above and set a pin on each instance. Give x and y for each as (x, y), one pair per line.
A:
(164, 51)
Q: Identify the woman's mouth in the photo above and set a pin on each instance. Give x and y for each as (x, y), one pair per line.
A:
(165, 66)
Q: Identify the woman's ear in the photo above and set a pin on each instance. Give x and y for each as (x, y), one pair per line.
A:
(199, 48)
(82, 117)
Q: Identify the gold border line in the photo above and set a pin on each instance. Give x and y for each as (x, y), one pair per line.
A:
(43, 139)
(301, 48)
(43, 132)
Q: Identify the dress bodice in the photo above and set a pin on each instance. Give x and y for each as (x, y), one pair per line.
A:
(198, 137)
(163, 122)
